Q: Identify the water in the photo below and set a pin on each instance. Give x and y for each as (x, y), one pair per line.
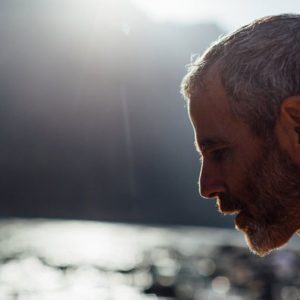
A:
(47, 260)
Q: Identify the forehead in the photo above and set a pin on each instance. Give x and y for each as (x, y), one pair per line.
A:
(212, 117)
(209, 107)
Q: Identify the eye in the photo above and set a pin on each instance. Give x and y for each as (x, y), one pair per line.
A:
(219, 155)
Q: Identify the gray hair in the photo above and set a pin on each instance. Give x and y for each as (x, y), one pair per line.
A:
(259, 67)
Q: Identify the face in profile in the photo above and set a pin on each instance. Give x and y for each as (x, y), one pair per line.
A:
(248, 176)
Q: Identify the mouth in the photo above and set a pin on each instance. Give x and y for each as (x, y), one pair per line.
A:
(227, 210)
(227, 205)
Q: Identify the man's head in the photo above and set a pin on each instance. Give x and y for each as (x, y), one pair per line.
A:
(244, 103)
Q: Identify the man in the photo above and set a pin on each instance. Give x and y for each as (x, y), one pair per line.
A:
(243, 98)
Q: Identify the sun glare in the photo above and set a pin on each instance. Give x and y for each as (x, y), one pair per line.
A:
(169, 10)
(230, 14)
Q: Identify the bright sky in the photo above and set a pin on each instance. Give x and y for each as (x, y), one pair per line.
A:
(230, 14)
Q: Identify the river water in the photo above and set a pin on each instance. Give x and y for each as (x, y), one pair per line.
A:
(58, 260)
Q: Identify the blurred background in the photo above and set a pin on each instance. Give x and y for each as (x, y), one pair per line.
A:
(92, 123)
(93, 128)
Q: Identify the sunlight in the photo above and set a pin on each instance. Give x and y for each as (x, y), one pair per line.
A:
(170, 10)
(223, 13)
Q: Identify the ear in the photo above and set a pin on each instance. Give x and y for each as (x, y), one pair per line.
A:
(288, 127)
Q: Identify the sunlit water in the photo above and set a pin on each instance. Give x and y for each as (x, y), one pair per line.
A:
(49, 260)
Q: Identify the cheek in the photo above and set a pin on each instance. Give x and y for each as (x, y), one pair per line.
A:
(236, 171)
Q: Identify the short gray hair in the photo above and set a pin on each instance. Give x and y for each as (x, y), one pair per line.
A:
(259, 67)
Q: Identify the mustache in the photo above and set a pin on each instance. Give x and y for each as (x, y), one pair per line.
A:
(228, 204)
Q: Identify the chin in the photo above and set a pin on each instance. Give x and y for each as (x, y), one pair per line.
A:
(263, 244)
(262, 239)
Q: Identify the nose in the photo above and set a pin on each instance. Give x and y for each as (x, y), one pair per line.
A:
(211, 181)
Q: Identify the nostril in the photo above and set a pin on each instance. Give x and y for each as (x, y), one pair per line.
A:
(213, 195)
(208, 196)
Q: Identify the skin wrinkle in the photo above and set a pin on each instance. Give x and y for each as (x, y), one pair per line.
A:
(246, 59)
(264, 189)
(237, 92)
(271, 193)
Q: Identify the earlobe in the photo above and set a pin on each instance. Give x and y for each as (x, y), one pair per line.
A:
(288, 127)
